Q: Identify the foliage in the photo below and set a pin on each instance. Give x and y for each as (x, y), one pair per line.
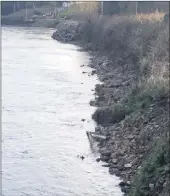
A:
(152, 169)
(110, 115)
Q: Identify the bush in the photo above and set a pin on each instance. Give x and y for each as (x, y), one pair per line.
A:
(110, 115)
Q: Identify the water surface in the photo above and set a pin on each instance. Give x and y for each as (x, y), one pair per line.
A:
(44, 97)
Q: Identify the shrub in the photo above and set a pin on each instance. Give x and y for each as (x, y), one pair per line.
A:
(110, 115)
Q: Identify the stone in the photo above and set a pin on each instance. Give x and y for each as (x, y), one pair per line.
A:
(93, 72)
(92, 103)
(165, 184)
(151, 186)
(166, 168)
(121, 152)
(130, 137)
(104, 158)
(122, 183)
(114, 161)
(98, 159)
(124, 189)
(130, 158)
(106, 153)
(111, 171)
(106, 165)
(83, 119)
(128, 165)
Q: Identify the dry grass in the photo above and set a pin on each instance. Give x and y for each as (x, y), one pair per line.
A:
(139, 41)
(151, 17)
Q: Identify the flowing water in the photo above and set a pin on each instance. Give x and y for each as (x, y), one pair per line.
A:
(44, 97)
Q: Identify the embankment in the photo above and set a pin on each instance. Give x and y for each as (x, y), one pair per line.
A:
(131, 58)
(18, 18)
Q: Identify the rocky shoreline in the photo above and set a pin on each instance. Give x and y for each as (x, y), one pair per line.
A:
(129, 137)
(66, 32)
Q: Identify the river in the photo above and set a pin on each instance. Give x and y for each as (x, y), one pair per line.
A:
(44, 97)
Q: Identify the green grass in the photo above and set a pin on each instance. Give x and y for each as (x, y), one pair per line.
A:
(70, 11)
(152, 170)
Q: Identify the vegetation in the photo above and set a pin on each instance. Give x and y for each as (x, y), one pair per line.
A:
(110, 115)
(153, 168)
(82, 8)
(141, 43)
(127, 7)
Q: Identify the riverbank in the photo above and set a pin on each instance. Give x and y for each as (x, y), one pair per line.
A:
(131, 58)
(35, 18)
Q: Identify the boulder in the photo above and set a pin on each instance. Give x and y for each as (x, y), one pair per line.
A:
(93, 72)
(98, 159)
(130, 137)
(104, 158)
(114, 161)
(128, 165)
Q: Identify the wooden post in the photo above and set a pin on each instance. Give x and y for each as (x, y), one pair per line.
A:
(102, 8)
(54, 9)
(14, 7)
(33, 5)
(26, 13)
(136, 7)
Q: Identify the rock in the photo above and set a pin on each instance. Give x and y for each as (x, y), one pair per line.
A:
(151, 186)
(83, 72)
(106, 165)
(130, 158)
(93, 72)
(139, 167)
(130, 137)
(134, 162)
(121, 184)
(121, 152)
(92, 103)
(106, 153)
(114, 161)
(82, 65)
(111, 171)
(98, 159)
(83, 119)
(25, 152)
(104, 158)
(165, 184)
(124, 189)
(166, 168)
(128, 165)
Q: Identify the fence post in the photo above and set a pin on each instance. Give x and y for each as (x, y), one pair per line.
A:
(136, 7)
